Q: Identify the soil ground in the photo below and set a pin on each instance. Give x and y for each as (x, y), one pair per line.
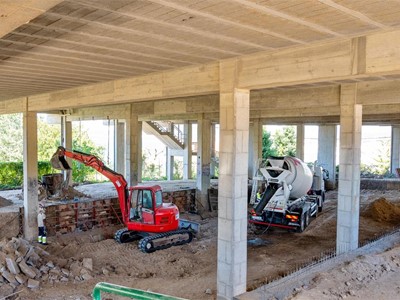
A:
(189, 271)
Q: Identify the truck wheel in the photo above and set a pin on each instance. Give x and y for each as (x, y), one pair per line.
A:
(302, 224)
(307, 219)
(322, 201)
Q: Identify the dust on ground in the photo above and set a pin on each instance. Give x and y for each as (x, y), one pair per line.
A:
(189, 271)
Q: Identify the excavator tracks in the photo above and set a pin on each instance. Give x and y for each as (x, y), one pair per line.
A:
(125, 236)
(165, 240)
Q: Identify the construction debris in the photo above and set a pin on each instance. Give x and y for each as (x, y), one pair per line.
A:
(23, 265)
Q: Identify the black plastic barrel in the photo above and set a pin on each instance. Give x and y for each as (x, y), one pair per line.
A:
(52, 182)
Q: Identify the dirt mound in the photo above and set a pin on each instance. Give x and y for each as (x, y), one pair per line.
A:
(382, 210)
(69, 194)
(5, 202)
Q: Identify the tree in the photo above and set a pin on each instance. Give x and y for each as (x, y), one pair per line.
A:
(11, 138)
(284, 141)
(267, 145)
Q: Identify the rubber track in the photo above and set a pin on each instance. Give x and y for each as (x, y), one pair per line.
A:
(144, 241)
(119, 234)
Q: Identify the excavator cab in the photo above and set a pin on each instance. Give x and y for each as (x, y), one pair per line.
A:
(143, 204)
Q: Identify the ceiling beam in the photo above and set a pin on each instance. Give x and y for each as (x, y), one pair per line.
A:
(16, 13)
(181, 27)
(276, 13)
(225, 21)
(354, 13)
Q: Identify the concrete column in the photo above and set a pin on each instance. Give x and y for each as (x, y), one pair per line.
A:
(187, 152)
(300, 142)
(66, 142)
(203, 160)
(255, 146)
(170, 165)
(213, 163)
(119, 147)
(395, 153)
(133, 149)
(232, 187)
(327, 151)
(348, 211)
(30, 175)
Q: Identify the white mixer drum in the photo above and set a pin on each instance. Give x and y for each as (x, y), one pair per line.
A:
(301, 178)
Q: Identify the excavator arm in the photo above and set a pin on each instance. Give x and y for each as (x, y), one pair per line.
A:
(94, 162)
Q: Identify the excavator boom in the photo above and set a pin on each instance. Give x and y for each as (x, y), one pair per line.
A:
(92, 161)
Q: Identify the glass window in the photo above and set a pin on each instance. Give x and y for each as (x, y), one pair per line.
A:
(158, 198)
(147, 201)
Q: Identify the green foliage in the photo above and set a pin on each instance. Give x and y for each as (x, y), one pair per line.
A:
(381, 165)
(11, 173)
(151, 170)
(11, 145)
(267, 147)
(178, 170)
(49, 137)
(284, 141)
(82, 143)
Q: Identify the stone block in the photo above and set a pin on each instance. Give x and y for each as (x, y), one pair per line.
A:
(88, 263)
(65, 272)
(33, 284)
(87, 277)
(6, 290)
(75, 269)
(12, 266)
(28, 271)
(20, 278)
(9, 277)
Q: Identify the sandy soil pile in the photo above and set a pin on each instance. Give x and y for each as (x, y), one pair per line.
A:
(382, 210)
(373, 276)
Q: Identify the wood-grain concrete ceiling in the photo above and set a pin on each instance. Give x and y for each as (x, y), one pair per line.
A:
(79, 42)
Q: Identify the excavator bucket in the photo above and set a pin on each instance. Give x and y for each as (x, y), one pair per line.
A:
(58, 161)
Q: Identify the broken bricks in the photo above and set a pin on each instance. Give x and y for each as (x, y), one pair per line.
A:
(25, 265)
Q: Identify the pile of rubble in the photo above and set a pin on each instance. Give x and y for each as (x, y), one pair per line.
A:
(23, 266)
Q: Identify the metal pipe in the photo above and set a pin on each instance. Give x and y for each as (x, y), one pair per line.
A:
(128, 292)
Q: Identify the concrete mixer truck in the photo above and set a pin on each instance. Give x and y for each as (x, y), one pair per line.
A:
(286, 193)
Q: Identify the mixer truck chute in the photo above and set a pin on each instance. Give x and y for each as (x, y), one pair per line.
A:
(286, 193)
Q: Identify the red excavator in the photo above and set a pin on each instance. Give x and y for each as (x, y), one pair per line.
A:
(144, 214)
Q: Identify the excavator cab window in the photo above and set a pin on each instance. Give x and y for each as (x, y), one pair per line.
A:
(147, 201)
(159, 200)
(134, 212)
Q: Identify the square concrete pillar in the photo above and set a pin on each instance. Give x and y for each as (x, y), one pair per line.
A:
(170, 164)
(300, 142)
(119, 146)
(395, 151)
(327, 151)
(232, 187)
(187, 151)
(30, 175)
(133, 149)
(203, 159)
(255, 146)
(348, 211)
(66, 142)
